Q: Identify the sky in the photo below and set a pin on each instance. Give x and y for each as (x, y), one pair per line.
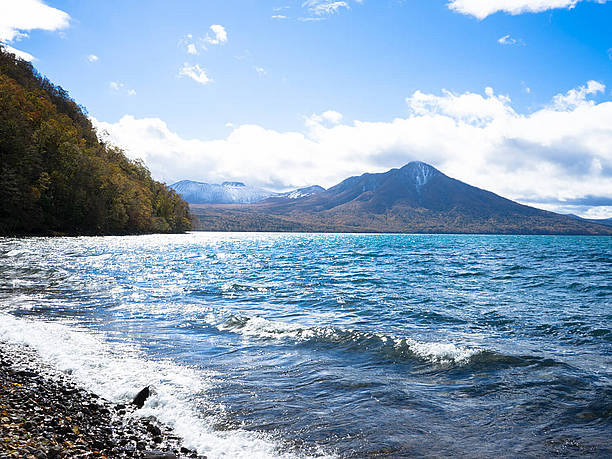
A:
(513, 96)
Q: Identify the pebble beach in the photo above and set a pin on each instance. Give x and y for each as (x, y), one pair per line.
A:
(44, 414)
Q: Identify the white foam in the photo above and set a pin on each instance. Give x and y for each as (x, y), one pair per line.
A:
(116, 372)
(434, 352)
(264, 328)
(438, 352)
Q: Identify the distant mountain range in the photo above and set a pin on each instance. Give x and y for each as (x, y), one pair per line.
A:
(233, 193)
(416, 198)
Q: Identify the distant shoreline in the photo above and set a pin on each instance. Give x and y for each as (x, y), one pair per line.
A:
(356, 233)
(361, 232)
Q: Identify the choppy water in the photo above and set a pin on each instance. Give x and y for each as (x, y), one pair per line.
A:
(266, 345)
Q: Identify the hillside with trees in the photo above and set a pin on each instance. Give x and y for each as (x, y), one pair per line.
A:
(57, 177)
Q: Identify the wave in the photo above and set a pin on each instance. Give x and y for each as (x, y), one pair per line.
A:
(387, 347)
(391, 347)
(117, 372)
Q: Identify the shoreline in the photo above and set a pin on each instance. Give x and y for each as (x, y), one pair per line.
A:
(44, 414)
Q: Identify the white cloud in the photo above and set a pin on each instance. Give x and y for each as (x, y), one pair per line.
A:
(469, 108)
(195, 72)
(21, 16)
(260, 71)
(483, 8)
(219, 35)
(118, 86)
(18, 17)
(92, 58)
(329, 117)
(555, 157)
(509, 40)
(20, 54)
(323, 7)
(576, 97)
(279, 16)
(189, 43)
(191, 49)
(320, 9)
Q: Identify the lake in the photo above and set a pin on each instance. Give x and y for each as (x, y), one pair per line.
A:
(347, 345)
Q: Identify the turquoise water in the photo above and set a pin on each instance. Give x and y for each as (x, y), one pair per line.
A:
(267, 345)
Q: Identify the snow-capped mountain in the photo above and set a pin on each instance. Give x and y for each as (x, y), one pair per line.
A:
(302, 192)
(234, 193)
(416, 198)
(226, 193)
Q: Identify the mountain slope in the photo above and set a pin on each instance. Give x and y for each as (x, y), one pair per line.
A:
(234, 193)
(602, 221)
(58, 178)
(416, 198)
(226, 193)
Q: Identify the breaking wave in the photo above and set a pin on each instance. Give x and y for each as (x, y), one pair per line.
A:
(118, 372)
(391, 347)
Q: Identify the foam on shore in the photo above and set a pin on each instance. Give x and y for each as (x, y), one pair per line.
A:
(117, 372)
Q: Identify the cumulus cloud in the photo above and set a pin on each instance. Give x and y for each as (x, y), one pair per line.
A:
(92, 58)
(18, 18)
(555, 157)
(218, 37)
(329, 117)
(483, 8)
(575, 97)
(195, 72)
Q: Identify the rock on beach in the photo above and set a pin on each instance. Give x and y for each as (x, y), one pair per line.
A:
(44, 415)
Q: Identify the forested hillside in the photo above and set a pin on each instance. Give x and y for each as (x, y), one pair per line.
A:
(56, 177)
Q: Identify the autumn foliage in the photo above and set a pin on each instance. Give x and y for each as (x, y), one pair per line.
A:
(57, 177)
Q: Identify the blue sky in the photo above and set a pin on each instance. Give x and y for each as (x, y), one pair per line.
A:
(323, 72)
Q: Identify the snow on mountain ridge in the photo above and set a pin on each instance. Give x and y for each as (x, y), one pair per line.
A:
(227, 193)
(419, 173)
(233, 192)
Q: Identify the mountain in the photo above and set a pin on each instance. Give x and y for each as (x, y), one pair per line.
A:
(233, 193)
(416, 198)
(58, 178)
(226, 193)
(301, 192)
(600, 221)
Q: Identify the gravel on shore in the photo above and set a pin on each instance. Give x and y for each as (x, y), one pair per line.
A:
(43, 414)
